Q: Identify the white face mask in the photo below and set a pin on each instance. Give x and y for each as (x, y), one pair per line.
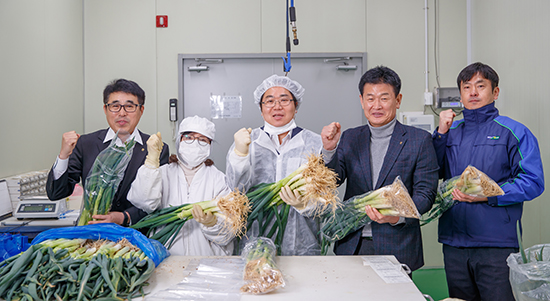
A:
(274, 131)
(193, 154)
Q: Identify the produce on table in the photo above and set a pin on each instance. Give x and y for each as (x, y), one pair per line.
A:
(315, 182)
(164, 224)
(260, 272)
(392, 200)
(76, 269)
(472, 181)
(530, 271)
(103, 180)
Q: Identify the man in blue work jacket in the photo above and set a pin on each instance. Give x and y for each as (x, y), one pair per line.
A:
(479, 233)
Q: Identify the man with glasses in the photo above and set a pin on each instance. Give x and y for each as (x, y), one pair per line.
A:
(269, 153)
(123, 106)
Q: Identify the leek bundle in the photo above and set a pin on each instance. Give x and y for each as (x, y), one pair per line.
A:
(315, 182)
(76, 269)
(87, 248)
(164, 224)
(261, 272)
(472, 181)
(392, 200)
(103, 180)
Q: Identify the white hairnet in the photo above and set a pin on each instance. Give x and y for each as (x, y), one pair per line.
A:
(198, 125)
(279, 81)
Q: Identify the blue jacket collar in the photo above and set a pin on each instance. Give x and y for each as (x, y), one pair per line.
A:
(481, 115)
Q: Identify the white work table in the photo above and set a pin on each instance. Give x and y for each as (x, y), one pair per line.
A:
(332, 278)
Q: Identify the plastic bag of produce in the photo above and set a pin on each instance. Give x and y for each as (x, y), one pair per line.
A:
(152, 248)
(531, 280)
(103, 179)
(261, 272)
(392, 200)
(472, 181)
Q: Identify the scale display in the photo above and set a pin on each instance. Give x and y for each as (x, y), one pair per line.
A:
(40, 208)
(36, 208)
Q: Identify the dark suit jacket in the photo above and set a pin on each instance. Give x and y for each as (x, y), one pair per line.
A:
(81, 161)
(411, 156)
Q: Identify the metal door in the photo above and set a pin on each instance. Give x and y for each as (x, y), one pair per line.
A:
(330, 81)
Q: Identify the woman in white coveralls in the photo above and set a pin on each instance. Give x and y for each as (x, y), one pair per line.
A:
(269, 153)
(192, 179)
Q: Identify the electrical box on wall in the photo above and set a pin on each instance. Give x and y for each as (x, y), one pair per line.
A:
(447, 98)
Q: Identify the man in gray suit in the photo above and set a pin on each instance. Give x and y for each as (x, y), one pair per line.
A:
(372, 156)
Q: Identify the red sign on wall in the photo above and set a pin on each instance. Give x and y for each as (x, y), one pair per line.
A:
(162, 21)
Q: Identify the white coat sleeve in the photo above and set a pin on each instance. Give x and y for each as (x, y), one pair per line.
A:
(238, 170)
(146, 190)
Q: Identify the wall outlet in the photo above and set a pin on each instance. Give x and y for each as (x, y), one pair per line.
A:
(428, 98)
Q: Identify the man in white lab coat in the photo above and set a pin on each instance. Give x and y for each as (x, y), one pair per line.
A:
(272, 152)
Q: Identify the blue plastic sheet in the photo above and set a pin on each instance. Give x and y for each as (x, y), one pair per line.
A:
(12, 244)
(152, 248)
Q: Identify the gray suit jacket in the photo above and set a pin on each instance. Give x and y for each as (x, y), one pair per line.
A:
(411, 156)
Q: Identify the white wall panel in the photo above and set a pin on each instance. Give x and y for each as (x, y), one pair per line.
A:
(41, 81)
(119, 42)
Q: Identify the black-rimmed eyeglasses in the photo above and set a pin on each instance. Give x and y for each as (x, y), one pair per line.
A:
(189, 139)
(116, 107)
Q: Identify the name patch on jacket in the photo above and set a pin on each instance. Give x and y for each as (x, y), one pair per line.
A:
(493, 137)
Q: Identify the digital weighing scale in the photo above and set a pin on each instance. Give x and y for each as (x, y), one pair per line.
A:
(39, 207)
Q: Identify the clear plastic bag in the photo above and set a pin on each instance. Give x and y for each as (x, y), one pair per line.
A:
(103, 180)
(210, 279)
(472, 181)
(261, 272)
(531, 281)
(392, 200)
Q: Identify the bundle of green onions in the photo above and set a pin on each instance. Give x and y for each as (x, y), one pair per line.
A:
(75, 269)
(472, 181)
(164, 224)
(315, 182)
(88, 248)
(103, 180)
(392, 200)
(261, 272)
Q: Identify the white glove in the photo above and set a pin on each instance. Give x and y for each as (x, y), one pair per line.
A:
(242, 141)
(208, 219)
(292, 197)
(154, 148)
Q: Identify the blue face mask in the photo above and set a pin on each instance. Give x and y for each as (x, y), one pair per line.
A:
(193, 154)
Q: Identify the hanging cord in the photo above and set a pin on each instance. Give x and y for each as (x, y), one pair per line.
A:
(286, 62)
(292, 10)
